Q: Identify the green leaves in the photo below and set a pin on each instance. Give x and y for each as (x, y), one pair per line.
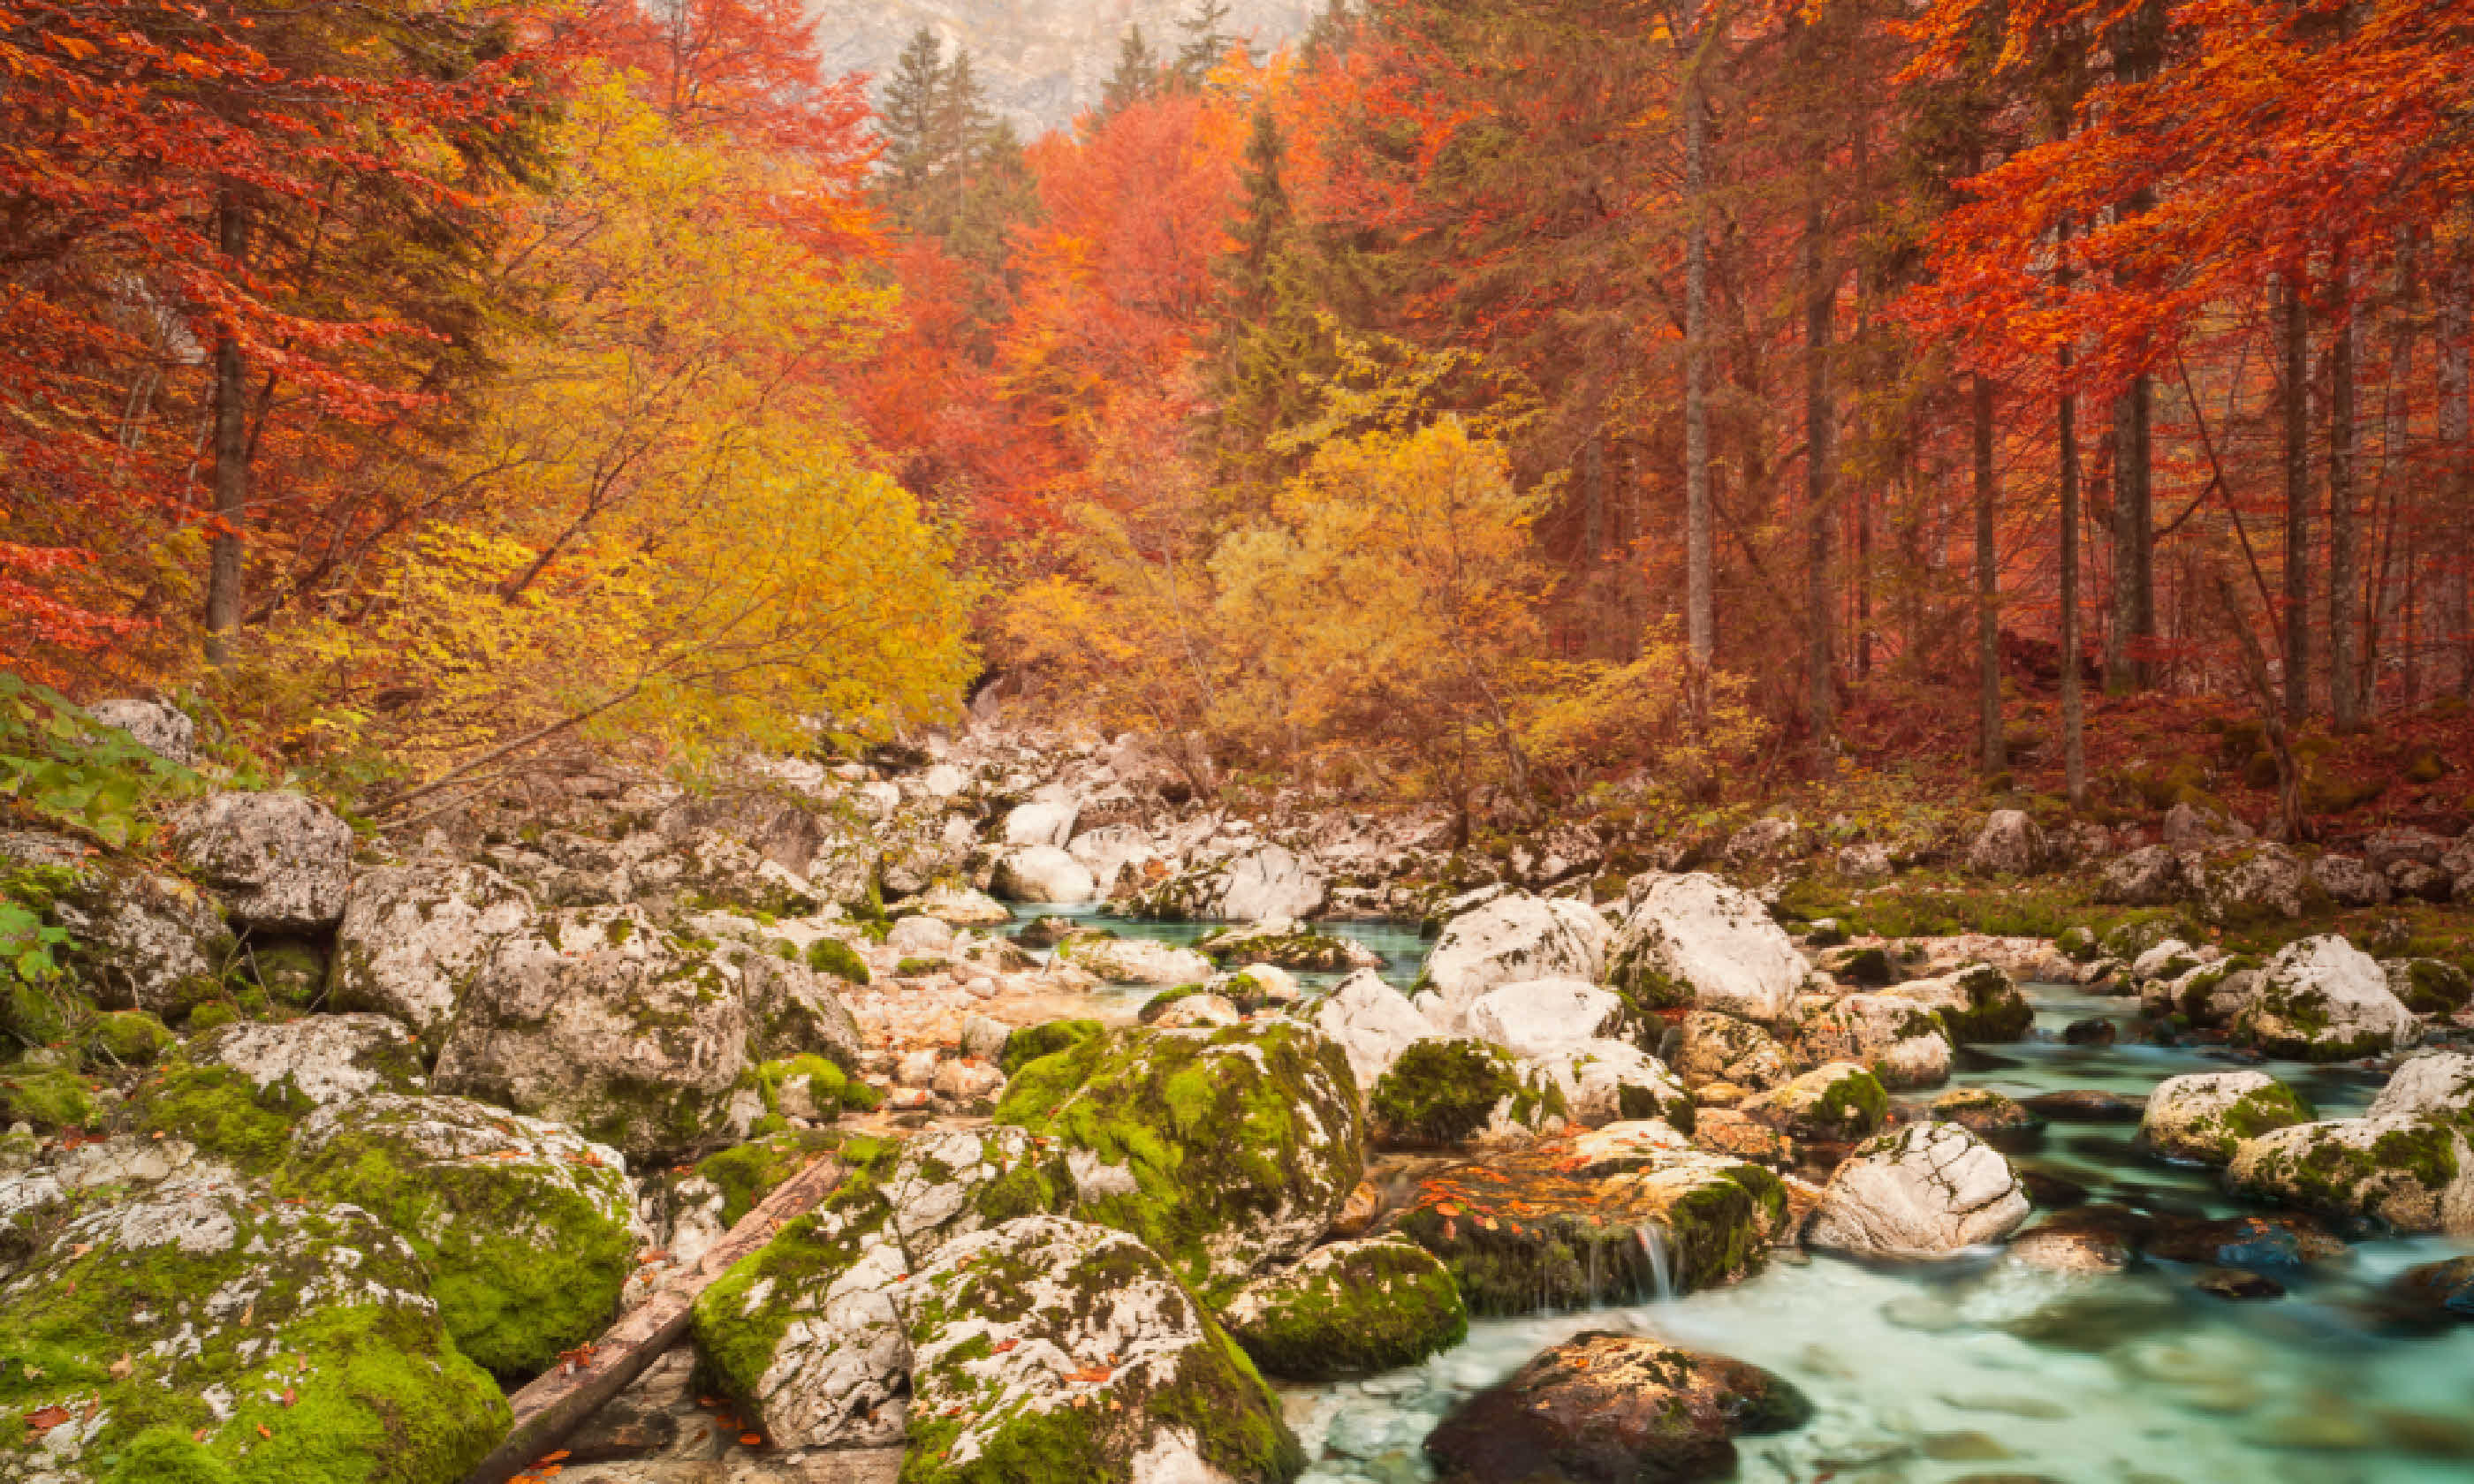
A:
(62, 766)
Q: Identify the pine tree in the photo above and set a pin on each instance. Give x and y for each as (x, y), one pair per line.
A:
(1271, 343)
(1206, 41)
(907, 117)
(1137, 76)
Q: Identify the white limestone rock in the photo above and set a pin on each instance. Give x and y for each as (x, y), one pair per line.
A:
(1921, 1192)
(1694, 941)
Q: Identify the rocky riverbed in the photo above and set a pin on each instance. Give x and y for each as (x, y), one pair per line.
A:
(1180, 1146)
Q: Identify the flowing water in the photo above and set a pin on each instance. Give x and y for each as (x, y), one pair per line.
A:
(1982, 1369)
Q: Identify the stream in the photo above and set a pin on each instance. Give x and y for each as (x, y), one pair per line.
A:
(1986, 1369)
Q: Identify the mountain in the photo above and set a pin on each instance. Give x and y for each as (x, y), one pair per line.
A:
(1040, 60)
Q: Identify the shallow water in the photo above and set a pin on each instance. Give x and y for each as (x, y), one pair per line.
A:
(1987, 1368)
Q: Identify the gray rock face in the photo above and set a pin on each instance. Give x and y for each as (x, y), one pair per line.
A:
(163, 730)
(1041, 64)
(1372, 1022)
(414, 938)
(1694, 941)
(2010, 845)
(323, 1059)
(1927, 1190)
(144, 941)
(1864, 862)
(2251, 883)
(282, 862)
(791, 1009)
(2150, 877)
(596, 1018)
(1715, 1047)
(1040, 823)
(2189, 827)
(1511, 938)
(2349, 882)
(2434, 1084)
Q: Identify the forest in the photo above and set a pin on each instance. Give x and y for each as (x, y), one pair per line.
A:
(1465, 406)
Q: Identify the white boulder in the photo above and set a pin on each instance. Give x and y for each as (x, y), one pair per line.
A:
(1511, 938)
(1695, 941)
(282, 861)
(1372, 1022)
(1528, 1016)
(1924, 1191)
(1043, 874)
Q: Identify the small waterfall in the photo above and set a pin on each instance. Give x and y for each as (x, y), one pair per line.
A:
(1653, 1245)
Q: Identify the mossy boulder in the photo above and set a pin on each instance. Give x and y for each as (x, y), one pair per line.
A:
(525, 1226)
(1346, 1309)
(2434, 1084)
(1032, 1041)
(1837, 1103)
(746, 1173)
(1899, 1041)
(48, 1097)
(415, 937)
(1976, 1005)
(597, 1018)
(130, 1038)
(2407, 1173)
(139, 940)
(1223, 1149)
(239, 1091)
(1445, 1093)
(832, 956)
(1713, 1046)
(954, 1181)
(291, 971)
(1298, 949)
(2322, 1000)
(2430, 986)
(1053, 1351)
(1694, 940)
(205, 1335)
(805, 1334)
(2205, 1117)
(1608, 1217)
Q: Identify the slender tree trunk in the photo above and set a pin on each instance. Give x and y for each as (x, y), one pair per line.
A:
(2456, 455)
(1700, 618)
(2297, 500)
(2392, 615)
(1988, 595)
(2134, 610)
(2344, 694)
(1819, 292)
(2067, 439)
(224, 551)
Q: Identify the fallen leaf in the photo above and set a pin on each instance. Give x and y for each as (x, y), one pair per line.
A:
(752, 1438)
(288, 1397)
(262, 1432)
(45, 1419)
(121, 1367)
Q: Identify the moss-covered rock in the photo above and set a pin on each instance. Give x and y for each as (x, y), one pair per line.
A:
(1033, 1041)
(1298, 949)
(1986, 1113)
(2430, 986)
(1346, 1309)
(1447, 1094)
(2205, 1117)
(205, 1335)
(2410, 1174)
(48, 1097)
(2322, 1000)
(1976, 1005)
(1607, 1217)
(805, 1332)
(832, 956)
(1837, 1103)
(1713, 1046)
(1898, 1040)
(746, 1173)
(524, 1227)
(1052, 1351)
(236, 1092)
(291, 971)
(130, 1038)
(138, 940)
(1222, 1149)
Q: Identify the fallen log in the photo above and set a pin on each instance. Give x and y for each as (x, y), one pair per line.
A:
(554, 1404)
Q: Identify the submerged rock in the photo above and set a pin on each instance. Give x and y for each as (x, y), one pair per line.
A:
(525, 1227)
(1985, 1112)
(203, 1333)
(2205, 1117)
(2445, 1287)
(1694, 941)
(282, 862)
(1924, 1191)
(1223, 1149)
(1604, 1409)
(1347, 1310)
(1612, 1216)
(2322, 1000)
(1047, 1348)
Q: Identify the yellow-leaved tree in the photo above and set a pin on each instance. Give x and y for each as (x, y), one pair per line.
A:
(1383, 618)
(680, 540)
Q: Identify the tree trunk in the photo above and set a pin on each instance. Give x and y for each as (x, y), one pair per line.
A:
(2391, 617)
(1988, 597)
(224, 594)
(2455, 323)
(1819, 292)
(2074, 703)
(1700, 611)
(2297, 500)
(2134, 603)
(2345, 695)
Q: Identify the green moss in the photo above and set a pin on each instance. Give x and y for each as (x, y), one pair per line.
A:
(1217, 1130)
(1440, 1092)
(2434, 986)
(1158, 1005)
(912, 967)
(1995, 1010)
(832, 956)
(132, 1037)
(49, 1097)
(524, 1261)
(224, 1113)
(335, 1371)
(736, 1338)
(827, 1083)
(290, 972)
(1033, 1041)
(1379, 1306)
(212, 1014)
(1852, 1105)
(747, 1173)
